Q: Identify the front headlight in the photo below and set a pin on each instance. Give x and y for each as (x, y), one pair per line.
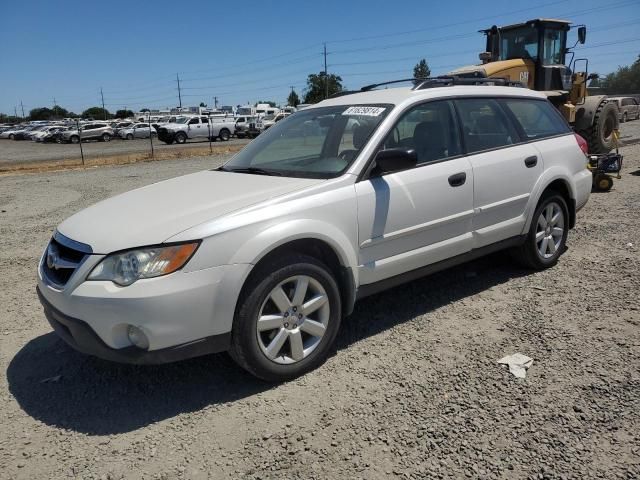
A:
(124, 268)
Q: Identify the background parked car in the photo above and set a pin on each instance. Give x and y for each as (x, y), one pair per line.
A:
(628, 107)
(242, 125)
(25, 134)
(117, 126)
(90, 131)
(48, 134)
(139, 130)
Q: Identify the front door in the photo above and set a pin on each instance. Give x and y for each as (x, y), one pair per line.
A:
(416, 217)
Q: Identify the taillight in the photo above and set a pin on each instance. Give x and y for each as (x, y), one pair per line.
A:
(582, 143)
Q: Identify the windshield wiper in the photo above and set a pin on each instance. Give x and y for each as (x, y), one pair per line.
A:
(253, 170)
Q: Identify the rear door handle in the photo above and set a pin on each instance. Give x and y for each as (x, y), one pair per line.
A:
(531, 161)
(457, 179)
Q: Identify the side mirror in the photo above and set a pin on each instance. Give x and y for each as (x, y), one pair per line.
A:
(582, 34)
(395, 160)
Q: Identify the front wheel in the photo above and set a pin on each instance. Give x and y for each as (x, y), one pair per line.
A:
(106, 137)
(129, 136)
(547, 235)
(75, 139)
(180, 137)
(288, 318)
(624, 117)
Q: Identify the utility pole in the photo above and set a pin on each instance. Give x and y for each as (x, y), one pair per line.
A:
(103, 109)
(326, 74)
(55, 107)
(15, 112)
(22, 107)
(215, 102)
(179, 93)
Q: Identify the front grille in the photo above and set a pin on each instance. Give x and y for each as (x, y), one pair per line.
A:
(62, 258)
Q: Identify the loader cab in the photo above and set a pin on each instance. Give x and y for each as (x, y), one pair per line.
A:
(541, 43)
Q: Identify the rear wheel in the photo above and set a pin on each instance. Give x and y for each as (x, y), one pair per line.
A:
(624, 117)
(600, 135)
(75, 139)
(106, 137)
(129, 136)
(180, 137)
(547, 235)
(288, 318)
(12, 136)
(224, 134)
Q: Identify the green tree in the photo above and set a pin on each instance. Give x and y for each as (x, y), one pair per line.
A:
(293, 99)
(421, 70)
(97, 113)
(145, 110)
(318, 85)
(123, 114)
(42, 113)
(624, 80)
(203, 105)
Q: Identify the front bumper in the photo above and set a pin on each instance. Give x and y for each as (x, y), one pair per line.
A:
(79, 335)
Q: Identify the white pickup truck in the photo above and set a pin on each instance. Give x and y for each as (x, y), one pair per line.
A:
(186, 128)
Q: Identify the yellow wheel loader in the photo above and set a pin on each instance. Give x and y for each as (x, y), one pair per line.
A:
(535, 54)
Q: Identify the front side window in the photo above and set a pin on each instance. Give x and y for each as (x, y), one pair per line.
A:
(315, 143)
(193, 121)
(430, 129)
(484, 125)
(519, 43)
(537, 118)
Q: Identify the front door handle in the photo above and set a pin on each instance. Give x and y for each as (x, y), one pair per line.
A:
(457, 179)
(531, 161)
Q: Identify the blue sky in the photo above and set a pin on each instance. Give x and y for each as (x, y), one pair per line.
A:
(256, 50)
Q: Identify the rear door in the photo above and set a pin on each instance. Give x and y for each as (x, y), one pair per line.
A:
(504, 169)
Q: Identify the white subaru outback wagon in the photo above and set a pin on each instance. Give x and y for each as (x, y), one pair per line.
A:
(264, 256)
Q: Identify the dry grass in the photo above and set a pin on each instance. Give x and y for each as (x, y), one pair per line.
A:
(122, 159)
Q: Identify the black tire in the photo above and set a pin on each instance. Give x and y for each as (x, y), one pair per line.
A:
(180, 138)
(129, 136)
(74, 139)
(224, 135)
(600, 135)
(12, 136)
(527, 254)
(245, 349)
(106, 137)
(624, 117)
(602, 182)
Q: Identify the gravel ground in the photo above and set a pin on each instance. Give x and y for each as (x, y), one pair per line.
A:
(413, 389)
(15, 152)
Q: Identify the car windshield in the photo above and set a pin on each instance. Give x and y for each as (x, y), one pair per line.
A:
(315, 143)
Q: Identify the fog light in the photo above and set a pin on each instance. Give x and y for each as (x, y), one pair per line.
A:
(137, 337)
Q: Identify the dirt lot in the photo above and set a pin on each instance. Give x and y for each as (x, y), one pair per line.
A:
(413, 389)
(18, 152)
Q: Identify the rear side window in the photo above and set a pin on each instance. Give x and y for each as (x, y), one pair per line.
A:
(484, 124)
(537, 118)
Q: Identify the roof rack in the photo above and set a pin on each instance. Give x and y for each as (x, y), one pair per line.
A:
(441, 81)
(451, 80)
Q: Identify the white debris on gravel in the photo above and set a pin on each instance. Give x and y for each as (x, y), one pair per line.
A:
(518, 364)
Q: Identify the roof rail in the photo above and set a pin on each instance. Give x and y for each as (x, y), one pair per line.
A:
(451, 80)
(441, 81)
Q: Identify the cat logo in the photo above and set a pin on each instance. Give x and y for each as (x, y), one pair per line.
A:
(524, 77)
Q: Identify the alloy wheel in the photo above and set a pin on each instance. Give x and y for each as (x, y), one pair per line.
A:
(550, 230)
(293, 319)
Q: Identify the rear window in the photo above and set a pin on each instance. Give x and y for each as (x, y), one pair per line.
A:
(538, 118)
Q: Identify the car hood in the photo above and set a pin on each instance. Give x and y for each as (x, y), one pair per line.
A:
(152, 214)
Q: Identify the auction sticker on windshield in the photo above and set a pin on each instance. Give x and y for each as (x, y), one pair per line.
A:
(364, 111)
